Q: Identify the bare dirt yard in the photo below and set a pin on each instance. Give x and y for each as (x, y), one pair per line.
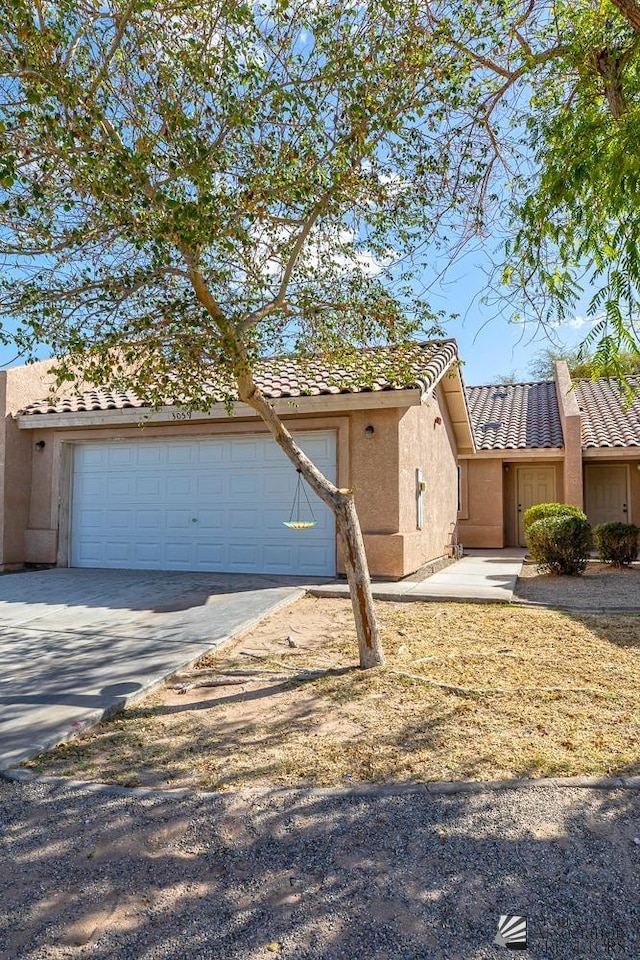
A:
(601, 587)
(469, 692)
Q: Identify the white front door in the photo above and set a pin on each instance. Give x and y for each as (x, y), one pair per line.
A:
(535, 485)
(213, 504)
(606, 496)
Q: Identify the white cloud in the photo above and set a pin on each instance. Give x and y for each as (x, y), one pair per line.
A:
(577, 323)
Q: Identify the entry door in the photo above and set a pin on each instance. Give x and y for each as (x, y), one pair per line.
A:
(535, 485)
(606, 493)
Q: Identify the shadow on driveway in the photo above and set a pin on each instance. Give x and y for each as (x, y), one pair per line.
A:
(75, 644)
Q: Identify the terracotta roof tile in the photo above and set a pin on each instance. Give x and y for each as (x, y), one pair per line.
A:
(291, 378)
(605, 420)
(515, 416)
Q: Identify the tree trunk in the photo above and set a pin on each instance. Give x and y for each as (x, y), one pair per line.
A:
(355, 562)
(343, 507)
(631, 10)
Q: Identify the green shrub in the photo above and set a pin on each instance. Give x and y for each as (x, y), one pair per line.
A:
(540, 511)
(617, 543)
(560, 544)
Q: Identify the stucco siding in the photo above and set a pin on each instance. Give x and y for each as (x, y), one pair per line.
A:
(484, 526)
(427, 441)
(378, 452)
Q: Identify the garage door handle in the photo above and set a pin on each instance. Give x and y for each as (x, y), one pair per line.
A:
(194, 519)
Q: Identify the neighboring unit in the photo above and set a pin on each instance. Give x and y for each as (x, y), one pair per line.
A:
(548, 441)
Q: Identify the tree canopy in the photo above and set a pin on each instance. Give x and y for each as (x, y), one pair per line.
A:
(555, 89)
(178, 176)
(582, 365)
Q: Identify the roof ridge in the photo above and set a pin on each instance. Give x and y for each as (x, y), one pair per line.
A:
(498, 386)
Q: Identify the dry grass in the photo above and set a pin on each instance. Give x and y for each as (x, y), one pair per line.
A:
(538, 693)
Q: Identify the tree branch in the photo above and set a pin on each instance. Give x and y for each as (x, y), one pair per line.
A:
(124, 18)
(630, 10)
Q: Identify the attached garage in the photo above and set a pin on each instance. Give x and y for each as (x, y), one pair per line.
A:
(213, 504)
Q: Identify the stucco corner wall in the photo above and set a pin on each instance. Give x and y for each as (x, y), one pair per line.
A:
(569, 410)
(426, 441)
(484, 524)
(19, 386)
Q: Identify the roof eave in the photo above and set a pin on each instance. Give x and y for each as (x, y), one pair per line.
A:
(292, 406)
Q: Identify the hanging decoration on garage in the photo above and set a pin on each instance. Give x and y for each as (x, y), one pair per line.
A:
(296, 521)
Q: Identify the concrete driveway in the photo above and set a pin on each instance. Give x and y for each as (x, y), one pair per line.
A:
(76, 644)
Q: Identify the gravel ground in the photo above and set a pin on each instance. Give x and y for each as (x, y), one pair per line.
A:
(601, 587)
(306, 875)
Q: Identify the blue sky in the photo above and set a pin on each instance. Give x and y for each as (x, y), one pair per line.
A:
(490, 347)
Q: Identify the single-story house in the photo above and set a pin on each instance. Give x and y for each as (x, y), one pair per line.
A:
(548, 441)
(83, 484)
(100, 480)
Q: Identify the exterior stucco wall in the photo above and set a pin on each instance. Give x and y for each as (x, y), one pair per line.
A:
(427, 442)
(380, 466)
(18, 387)
(484, 524)
(573, 485)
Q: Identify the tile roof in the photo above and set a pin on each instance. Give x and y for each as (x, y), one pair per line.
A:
(605, 420)
(379, 368)
(515, 416)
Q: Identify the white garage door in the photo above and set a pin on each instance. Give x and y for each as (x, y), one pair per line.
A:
(207, 504)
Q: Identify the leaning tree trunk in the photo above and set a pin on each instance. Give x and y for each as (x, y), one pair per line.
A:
(341, 502)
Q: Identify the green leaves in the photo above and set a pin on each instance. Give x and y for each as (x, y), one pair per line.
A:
(282, 153)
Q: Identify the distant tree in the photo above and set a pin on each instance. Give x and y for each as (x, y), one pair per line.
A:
(582, 365)
(511, 376)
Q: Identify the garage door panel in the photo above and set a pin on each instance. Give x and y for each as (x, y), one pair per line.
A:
(134, 505)
(279, 487)
(179, 453)
(149, 455)
(119, 551)
(178, 486)
(210, 520)
(211, 452)
(89, 553)
(120, 518)
(209, 556)
(178, 520)
(119, 487)
(90, 487)
(211, 485)
(147, 487)
(148, 519)
(121, 456)
(245, 451)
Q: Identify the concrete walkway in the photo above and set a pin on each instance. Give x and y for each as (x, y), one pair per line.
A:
(482, 576)
(78, 644)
